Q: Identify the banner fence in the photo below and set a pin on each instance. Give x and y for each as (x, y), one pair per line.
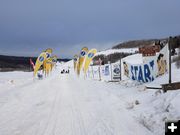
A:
(151, 68)
(107, 72)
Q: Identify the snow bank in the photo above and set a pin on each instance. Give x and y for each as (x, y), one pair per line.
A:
(134, 59)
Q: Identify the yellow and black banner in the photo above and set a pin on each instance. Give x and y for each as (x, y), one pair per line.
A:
(40, 60)
(89, 58)
(82, 56)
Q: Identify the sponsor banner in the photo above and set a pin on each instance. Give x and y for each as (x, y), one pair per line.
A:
(96, 72)
(162, 61)
(99, 72)
(82, 56)
(142, 72)
(102, 70)
(89, 58)
(45, 62)
(116, 71)
(53, 61)
(77, 67)
(150, 69)
(90, 72)
(49, 50)
(39, 62)
(106, 72)
(75, 61)
(48, 56)
(48, 66)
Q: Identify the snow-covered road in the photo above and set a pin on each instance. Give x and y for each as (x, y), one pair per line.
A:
(66, 105)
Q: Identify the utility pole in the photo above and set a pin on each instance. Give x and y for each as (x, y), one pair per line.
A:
(169, 45)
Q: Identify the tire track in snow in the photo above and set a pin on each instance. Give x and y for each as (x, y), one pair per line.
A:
(100, 120)
(76, 113)
(52, 118)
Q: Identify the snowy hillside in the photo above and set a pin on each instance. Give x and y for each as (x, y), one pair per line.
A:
(62, 104)
(111, 51)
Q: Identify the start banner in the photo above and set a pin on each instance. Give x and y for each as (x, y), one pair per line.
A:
(150, 68)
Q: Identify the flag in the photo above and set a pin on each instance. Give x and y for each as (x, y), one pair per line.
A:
(39, 62)
(31, 62)
(48, 66)
(82, 56)
(75, 61)
(48, 55)
(53, 61)
(89, 58)
(49, 52)
(77, 67)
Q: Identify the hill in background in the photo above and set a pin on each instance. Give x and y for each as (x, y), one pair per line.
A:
(139, 43)
(14, 63)
(113, 57)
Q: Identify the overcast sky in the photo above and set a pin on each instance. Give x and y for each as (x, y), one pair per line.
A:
(29, 26)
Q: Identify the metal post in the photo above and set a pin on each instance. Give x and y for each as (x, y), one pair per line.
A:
(111, 68)
(169, 44)
(111, 71)
(120, 78)
(99, 69)
(99, 73)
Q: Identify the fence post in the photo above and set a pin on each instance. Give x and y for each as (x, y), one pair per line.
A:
(100, 62)
(92, 72)
(169, 45)
(99, 73)
(120, 78)
(111, 70)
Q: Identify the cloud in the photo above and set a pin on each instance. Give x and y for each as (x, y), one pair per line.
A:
(27, 27)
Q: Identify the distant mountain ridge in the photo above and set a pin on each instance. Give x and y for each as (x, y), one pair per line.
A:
(139, 43)
(18, 63)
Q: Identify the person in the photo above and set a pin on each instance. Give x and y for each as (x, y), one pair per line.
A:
(63, 71)
(40, 76)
